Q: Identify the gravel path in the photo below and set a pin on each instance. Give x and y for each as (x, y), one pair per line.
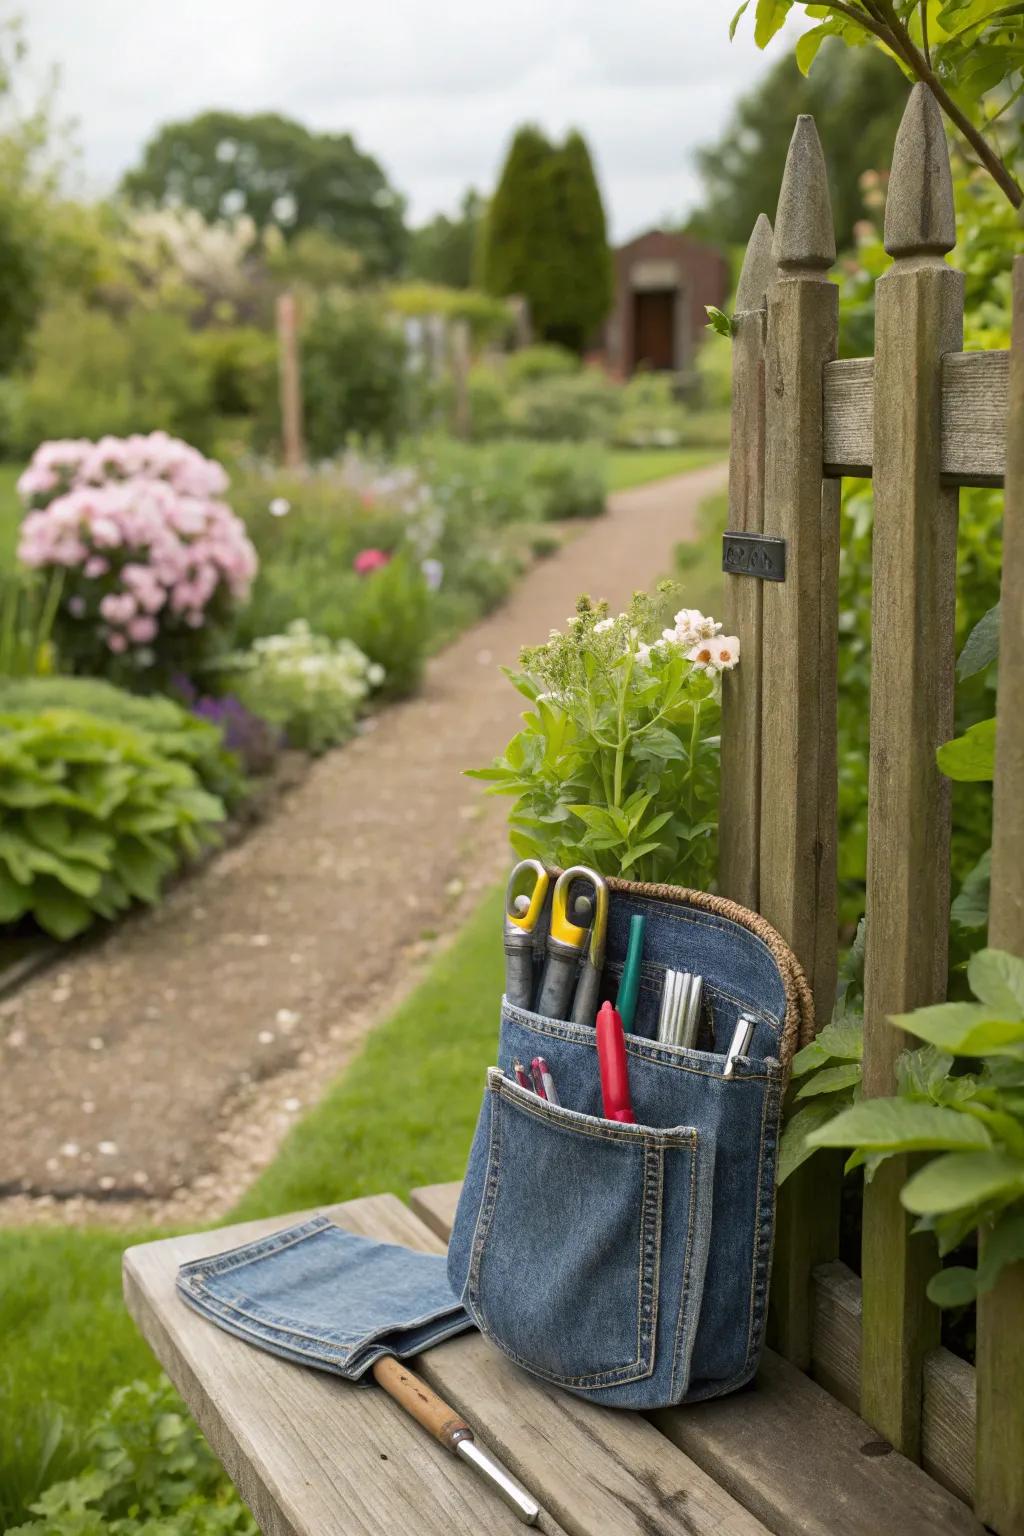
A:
(151, 1075)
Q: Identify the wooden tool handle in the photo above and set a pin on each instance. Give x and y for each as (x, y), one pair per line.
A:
(416, 1398)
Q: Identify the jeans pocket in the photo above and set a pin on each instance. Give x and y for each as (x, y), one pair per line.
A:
(584, 1262)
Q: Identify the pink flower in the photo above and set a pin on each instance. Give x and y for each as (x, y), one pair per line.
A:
(95, 566)
(142, 630)
(369, 560)
(118, 608)
(116, 642)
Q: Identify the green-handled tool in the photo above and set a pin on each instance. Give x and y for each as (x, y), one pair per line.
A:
(629, 984)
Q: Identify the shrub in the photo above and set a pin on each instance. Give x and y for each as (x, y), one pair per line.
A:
(241, 364)
(153, 558)
(566, 408)
(489, 319)
(92, 375)
(177, 733)
(28, 610)
(309, 686)
(531, 364)
(389, 620)
(489, 402)
(94, 814)
(652, 416)
(149, 1473)
(353, 374)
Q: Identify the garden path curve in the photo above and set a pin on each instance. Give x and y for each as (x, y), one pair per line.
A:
(157, 1070)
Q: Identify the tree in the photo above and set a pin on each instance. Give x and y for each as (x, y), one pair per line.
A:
(442, 251)
(544, 238)
(742, 172)
(969, 53)
(278, 173)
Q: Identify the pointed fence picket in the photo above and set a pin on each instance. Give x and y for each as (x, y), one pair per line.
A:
(922, 418)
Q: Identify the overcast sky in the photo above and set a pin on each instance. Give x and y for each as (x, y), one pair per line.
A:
(432, 88)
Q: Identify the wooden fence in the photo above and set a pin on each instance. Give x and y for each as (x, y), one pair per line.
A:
(922, 418)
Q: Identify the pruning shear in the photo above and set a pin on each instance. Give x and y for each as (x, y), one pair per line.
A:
(568, 941)
(525, 897)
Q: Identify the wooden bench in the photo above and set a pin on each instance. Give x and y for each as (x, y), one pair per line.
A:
(313, 1455)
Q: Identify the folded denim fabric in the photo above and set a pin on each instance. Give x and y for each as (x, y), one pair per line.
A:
(327, 1298)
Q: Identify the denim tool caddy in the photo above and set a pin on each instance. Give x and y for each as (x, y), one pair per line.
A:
(630, 1263)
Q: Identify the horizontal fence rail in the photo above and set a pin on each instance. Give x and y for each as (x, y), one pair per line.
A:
(972, 432)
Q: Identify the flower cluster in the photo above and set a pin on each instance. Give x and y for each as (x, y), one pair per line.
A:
(702, 642)
(138, 524)
(311, 687)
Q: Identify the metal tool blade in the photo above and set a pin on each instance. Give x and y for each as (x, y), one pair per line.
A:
(513, 1493)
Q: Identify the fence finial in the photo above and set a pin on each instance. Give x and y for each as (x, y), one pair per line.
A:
(804, 233)
(758, 270)
(919, 217)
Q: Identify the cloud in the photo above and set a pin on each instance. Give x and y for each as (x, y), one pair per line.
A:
(433, 90)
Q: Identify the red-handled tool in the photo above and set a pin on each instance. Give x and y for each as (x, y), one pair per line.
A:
(611, 1055)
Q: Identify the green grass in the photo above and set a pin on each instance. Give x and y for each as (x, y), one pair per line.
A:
(698, 566)
(628, 467)
(10, 512)
(67, 1343)
(403, 1114)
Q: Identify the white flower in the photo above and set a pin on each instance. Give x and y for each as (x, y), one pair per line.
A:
(279, 507)
(718, 654)
(643, 654)
(433, 573)
(691, 626)
(603, 625)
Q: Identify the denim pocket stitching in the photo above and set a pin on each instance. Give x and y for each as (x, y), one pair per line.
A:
(561, 1118)
(678, 1344)
(277, 1242)
(762, 1248)
(637, 1045)
(651, 1212)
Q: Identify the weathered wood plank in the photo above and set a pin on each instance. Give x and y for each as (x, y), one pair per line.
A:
(1000, 1349)
(435, 1205)
(918, 317)
(798, 788)
(975, 394)
(307, 1451)
(594, 1470)
(740, 819)
(948, 1416)
(305, 1448)
(807, 1466)
(789, 1453)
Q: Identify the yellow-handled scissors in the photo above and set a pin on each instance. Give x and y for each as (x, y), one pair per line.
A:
(568, 941)
(525, 898)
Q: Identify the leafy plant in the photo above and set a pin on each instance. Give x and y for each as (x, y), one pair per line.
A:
(961, 1097)
(177, 733)
(149, 1473)
(28, 609)
(94, 814)
(970, 54)
(311, 687)
(617, 763)
(353, 373)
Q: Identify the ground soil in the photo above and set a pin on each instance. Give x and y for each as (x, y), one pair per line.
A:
(151, 1075)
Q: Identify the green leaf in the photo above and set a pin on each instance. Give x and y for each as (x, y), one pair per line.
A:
(59, 911)
(768, 18)
(970, 758)
(15, 899)
(736, 20)
(970, 909)
(897, 1125)
(1003, 1245)
(963, 1029)
(997, 978)
(923, 1072)
(719, 322)
(831, 1080)
(981, 646)
(953, 1287)
(957, 1180)
(843, 1039)
(808, 44)
(795, 1146)
(638, 853)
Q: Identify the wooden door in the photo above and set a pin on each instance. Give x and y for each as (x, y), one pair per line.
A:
(654, 329)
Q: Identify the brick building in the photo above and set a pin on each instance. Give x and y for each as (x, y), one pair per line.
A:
(662, 283)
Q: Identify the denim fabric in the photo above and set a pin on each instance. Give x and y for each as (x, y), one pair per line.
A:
(327, 1298)
(630, 1264)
